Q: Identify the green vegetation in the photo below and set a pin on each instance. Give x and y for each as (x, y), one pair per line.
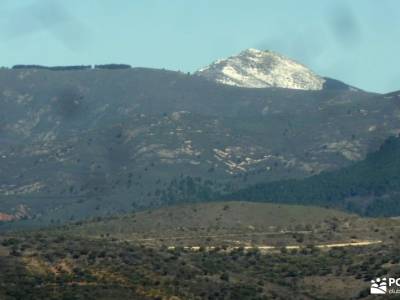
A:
(215, 219)
(113, 66)
(130, 257)
(370, 187)
(57, 68)
(57, 265)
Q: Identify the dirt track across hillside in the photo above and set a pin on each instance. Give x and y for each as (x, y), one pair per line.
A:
(263, 248)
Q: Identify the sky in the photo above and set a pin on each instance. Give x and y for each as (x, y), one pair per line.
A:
(356, 41)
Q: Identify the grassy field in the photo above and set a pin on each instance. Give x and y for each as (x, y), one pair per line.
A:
(229, 215)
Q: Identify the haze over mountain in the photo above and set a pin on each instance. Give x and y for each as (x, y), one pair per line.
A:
(79, 143)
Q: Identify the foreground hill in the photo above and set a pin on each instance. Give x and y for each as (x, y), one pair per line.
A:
(79, 143)
(232, 224)
(182, 252)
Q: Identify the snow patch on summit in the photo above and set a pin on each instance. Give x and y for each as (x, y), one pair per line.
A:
(253, 68)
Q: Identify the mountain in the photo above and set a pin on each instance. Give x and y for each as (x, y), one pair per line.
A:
(254, 68)
(77, 143)
(370, 187)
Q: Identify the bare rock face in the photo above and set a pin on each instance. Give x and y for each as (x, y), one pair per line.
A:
(253, 68)
(20, 212)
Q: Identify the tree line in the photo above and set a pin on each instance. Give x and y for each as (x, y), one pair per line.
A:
(72, 68)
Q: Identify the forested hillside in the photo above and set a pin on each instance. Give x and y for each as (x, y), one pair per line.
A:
(370, 187)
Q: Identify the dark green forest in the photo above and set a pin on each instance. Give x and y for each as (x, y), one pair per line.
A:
(72, 68)
(370, 187)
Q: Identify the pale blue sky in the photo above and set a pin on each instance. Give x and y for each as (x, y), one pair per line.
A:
(357, 41)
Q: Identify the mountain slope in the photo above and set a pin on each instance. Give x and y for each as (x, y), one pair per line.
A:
(370, 187)
(95, 142)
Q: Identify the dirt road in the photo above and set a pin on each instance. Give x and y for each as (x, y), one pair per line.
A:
(263, 248)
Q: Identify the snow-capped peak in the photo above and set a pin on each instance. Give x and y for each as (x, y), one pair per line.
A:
(254, 68)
